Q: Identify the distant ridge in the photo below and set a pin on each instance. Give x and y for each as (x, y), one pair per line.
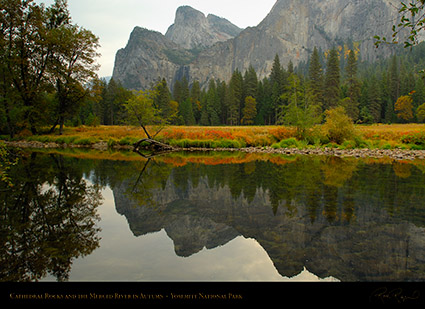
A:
(203, 48)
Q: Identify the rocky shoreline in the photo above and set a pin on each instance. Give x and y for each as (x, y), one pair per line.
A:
(395, 154)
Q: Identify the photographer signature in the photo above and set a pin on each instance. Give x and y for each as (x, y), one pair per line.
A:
(397, 294)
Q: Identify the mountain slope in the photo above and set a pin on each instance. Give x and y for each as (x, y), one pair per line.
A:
(193, 30)
(291, 30)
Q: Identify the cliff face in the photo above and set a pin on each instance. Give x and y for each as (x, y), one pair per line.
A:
(193, 30)
(291, 30)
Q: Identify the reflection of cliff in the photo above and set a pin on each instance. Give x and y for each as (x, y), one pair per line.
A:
(340, 230)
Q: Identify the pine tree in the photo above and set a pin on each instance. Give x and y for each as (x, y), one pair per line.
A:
(250, 83)
(394, 79)
(353, 86)
(234, 97)
(278, 82)
(249, 111)
(212, 102)
(316, 82)
(195, 98)
(374, 96)
(332, 89)
(163, 99)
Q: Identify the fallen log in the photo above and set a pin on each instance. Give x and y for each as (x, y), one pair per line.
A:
(153, 144)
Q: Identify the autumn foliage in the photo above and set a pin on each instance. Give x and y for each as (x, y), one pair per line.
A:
(404, 108)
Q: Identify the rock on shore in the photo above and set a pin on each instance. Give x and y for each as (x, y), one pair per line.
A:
(396, 154)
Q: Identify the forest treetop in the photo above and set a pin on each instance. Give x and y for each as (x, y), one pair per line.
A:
(42, 53)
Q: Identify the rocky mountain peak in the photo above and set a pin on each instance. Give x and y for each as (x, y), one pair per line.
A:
(204, 48)
(192, 29)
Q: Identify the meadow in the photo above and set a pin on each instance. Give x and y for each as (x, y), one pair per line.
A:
(378, 136)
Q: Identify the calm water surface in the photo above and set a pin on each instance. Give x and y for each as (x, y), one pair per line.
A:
(212, 217)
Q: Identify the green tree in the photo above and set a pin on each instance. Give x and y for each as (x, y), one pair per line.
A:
(316, 82)
(234, 97)
(162, 102)
(302, 110)
(338, 127)
(26, 53)
(404, 108)
(142, 111)
(186, 112)
(250, 83)
(41, 50)
(278, 84)
(332, 87)
(353, 86)
(420, 113)
(195, 98)
(394, 79)
(73, 61)
(374, 99)
(249, 111)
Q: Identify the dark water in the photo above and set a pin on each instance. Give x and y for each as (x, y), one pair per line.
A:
(212, 217)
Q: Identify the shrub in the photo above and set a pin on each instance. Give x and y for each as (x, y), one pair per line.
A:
(416, 147)
(414, 138)
(338, 127)
(288, 143)
(350, 144)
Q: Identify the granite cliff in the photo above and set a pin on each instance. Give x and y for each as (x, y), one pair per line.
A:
(202, 48)
(192, 30)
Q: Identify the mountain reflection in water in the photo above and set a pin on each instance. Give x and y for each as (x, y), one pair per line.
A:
(349, 219)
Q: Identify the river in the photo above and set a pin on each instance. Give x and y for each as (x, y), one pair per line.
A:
(117, 216)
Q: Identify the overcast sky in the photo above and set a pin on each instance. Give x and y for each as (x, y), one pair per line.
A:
(113, 20)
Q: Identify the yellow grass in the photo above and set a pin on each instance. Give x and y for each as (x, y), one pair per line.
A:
(245, 136)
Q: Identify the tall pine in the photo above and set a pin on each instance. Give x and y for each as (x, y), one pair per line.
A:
(315, 75)
(332, 89)
(353, 87)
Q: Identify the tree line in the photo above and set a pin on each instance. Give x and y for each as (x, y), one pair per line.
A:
(387, 91)
(48, 81)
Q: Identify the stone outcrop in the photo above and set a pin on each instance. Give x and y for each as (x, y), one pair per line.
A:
(291, 30)
(192, 30)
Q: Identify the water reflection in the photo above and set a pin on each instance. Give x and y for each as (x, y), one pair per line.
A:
(350, 219)
(48, 219)
(344, 218)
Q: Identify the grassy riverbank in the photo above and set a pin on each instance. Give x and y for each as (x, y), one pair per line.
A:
(396, 136)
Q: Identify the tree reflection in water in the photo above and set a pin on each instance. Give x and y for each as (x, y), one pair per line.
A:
(352, 219)
(47, 219)
(347, 218)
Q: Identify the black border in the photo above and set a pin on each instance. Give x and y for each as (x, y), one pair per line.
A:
(211, 293)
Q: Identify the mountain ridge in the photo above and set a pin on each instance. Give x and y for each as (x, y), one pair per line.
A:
(291, 30)
(192, 29)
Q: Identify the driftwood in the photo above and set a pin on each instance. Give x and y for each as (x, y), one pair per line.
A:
(153, 145)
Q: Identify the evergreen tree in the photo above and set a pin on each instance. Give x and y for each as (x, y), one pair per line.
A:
(332, 89)
(249, 111)
(195, 98)
(394, 79)
(250, 83)
(315, 75)
(353, 86)
(278, 82)
(162, 101)
(234, 97)
(186, 112)
(374, 98)
(213, 104)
